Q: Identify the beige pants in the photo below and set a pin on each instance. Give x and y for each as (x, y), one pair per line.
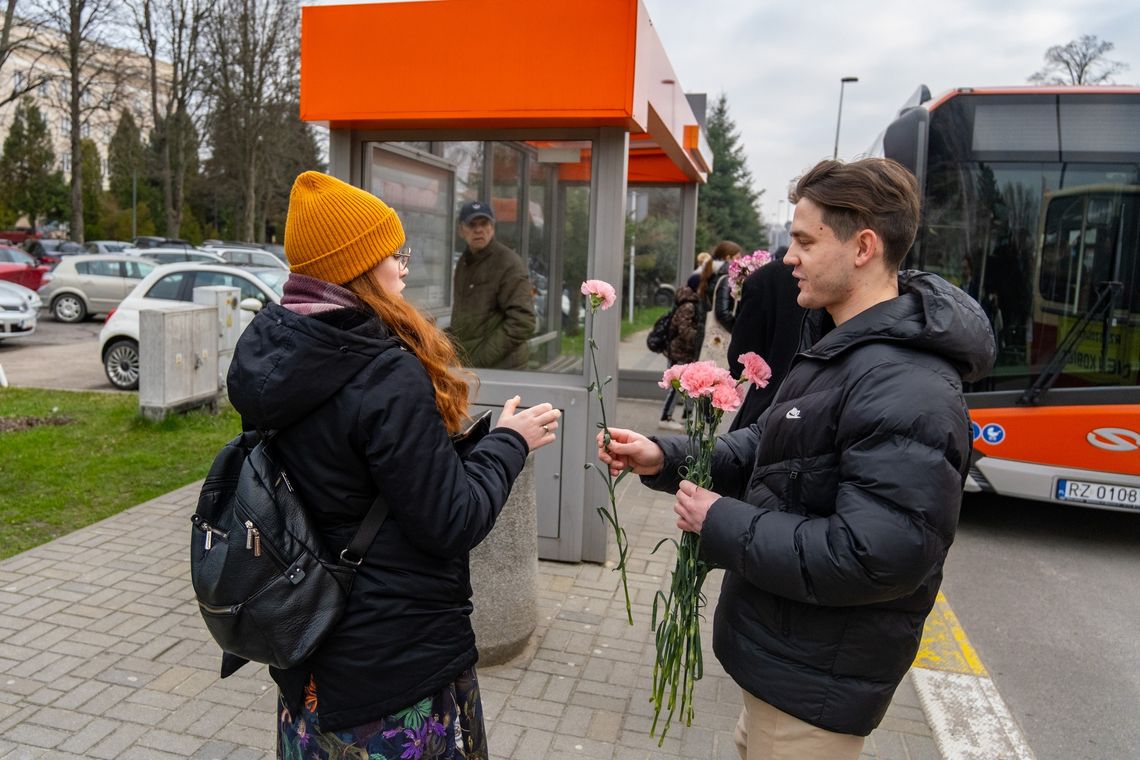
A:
(765, 733)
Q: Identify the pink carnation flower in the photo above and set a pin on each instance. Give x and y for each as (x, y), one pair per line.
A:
(672, 375)
(742, 266)
(601, 293)
(727, 396)
(699, 378)
(756, 370)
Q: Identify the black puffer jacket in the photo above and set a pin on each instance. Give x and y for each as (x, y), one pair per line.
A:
(840, 504)
(357, 414)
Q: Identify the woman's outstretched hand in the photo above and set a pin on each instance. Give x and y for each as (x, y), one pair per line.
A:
(630, 450)
(536, 425)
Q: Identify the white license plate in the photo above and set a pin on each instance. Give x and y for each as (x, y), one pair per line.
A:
(1084, 492)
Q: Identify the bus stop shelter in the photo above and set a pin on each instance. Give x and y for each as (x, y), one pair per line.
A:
(558, 115)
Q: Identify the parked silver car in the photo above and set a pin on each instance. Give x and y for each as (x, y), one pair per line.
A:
(107, 246)
(175, 255)
(18, 309)
(92, 284)
(254, 257)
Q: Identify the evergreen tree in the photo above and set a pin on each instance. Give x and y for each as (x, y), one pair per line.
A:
(26, 177)
(125, 160)
(728, 207)
(92, 190)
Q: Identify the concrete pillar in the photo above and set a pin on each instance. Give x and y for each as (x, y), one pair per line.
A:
(504, 577)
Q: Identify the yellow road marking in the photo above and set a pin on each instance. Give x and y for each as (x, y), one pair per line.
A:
(944, 644)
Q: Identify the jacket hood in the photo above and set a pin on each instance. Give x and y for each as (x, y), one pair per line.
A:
(931, 315)
(286, 365)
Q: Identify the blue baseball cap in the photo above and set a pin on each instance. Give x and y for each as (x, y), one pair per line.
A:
(473, 210)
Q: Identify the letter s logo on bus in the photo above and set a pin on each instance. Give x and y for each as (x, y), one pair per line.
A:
(1115, 439)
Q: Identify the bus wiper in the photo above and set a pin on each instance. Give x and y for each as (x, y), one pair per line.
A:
(1100, 309)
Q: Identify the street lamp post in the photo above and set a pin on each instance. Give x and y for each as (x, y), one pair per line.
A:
(839, 117)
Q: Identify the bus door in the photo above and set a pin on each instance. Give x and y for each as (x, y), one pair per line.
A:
(1088, 281)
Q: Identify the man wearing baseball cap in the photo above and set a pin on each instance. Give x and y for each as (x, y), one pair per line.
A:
(492, 308)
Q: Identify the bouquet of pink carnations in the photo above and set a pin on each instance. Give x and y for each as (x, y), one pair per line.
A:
(742, 266)
(679, 664)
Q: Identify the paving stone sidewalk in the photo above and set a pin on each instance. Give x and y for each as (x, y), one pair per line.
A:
(104, 655)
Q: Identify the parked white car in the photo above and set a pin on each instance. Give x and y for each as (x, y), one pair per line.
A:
(19, 307)
(92, 284)
(174, 284)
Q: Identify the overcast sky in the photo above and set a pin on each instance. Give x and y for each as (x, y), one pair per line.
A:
(780, 63)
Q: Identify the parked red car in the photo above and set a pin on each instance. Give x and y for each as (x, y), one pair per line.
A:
(20, 268)
(19, 235)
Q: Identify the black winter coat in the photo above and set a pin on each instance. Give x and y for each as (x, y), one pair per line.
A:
(768, 322)
(840, 504)
(357, 415)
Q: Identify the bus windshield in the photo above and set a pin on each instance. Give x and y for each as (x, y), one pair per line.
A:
(1030, 205)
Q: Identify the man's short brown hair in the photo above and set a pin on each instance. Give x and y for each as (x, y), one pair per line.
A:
(873, 193)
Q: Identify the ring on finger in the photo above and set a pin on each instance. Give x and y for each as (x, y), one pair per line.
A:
(545, 429)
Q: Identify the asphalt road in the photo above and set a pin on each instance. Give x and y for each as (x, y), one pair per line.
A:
(57, 355)
(1048, 595)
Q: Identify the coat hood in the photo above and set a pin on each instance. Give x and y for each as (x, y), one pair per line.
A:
(286, 365)
(930, 315)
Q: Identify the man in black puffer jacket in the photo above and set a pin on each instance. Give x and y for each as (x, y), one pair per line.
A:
(833, 514)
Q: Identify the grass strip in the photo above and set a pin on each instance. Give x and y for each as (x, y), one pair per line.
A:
(56, 478)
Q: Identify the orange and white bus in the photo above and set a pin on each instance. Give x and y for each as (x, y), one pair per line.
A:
(1031, 204)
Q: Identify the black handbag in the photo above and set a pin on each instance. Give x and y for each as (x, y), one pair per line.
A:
(266, 587)
(657, 340)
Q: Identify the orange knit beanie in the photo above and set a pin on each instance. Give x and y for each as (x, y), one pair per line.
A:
(336, 232)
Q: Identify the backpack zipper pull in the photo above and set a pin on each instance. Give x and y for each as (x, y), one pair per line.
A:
(209, 535)
(256, 542)
(249, 529)
(287, 483)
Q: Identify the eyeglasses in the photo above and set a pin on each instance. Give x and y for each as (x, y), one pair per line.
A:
(403, 257)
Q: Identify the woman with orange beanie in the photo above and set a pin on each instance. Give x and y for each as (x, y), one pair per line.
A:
(366, 394)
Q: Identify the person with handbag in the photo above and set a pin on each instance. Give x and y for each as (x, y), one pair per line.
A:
(366, 396)
(716, 293)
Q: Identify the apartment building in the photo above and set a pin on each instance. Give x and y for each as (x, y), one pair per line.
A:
(116, 78)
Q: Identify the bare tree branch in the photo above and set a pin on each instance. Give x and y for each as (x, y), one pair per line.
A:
(92, 73)
(1079, 62)
(171, 32)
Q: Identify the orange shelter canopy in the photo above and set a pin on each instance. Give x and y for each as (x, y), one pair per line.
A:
(502, 64)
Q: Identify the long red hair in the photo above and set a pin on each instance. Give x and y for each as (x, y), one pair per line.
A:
(427, 342)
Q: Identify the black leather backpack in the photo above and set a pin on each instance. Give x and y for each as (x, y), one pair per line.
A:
(266, 587)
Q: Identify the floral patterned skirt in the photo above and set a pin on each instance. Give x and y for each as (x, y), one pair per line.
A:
(446, 726)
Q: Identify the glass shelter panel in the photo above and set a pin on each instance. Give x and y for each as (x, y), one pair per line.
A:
(651, 263)
(420, 187)
(516, 312)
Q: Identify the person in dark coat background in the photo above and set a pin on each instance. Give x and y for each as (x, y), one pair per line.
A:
(833, 513)
(366, 394)
(768, 321)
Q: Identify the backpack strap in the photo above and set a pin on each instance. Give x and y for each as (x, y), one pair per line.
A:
(353, 554)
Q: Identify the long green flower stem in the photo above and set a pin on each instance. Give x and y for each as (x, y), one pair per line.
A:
(679, 664)
(610, 515)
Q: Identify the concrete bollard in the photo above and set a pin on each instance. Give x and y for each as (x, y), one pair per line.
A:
(504, 576)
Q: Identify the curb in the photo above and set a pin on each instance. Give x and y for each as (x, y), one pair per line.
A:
(967, 716)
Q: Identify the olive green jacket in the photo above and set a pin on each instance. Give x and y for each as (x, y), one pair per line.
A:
(492, 308)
